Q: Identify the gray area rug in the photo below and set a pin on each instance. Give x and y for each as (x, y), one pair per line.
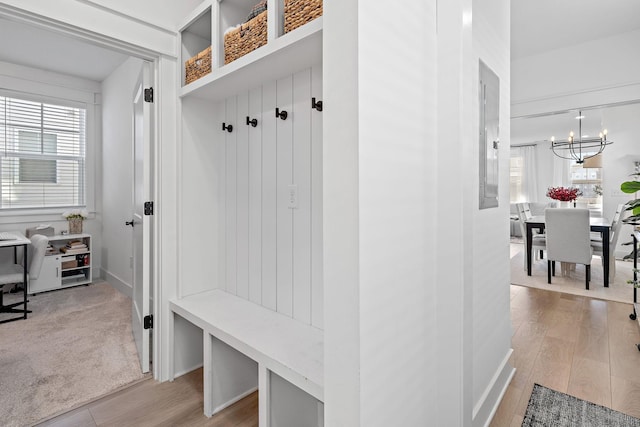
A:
(76, 346)
(551, 408)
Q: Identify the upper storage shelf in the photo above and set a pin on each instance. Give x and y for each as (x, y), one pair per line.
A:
(282, 53)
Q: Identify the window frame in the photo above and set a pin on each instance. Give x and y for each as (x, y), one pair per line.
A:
(69, 98)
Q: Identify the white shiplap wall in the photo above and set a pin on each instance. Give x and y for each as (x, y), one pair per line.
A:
(271, 253)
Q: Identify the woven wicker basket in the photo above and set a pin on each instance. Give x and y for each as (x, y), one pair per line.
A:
(198, 66)
(246, 38)
(299, 12)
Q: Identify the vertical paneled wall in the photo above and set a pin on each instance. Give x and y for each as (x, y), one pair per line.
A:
(273, 196)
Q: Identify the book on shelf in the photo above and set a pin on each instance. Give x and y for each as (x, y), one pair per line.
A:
(68, 251)
(74, 247)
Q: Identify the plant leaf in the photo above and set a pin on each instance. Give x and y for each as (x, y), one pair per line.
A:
(634, 219)
(630, 187)
(632, 204)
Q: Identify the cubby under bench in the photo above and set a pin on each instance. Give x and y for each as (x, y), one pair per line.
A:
(248, 347)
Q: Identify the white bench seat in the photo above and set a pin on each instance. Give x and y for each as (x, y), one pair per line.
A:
(285, 346)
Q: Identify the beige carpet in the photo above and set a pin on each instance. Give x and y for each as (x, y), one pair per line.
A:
(76, 346)
(618, 289)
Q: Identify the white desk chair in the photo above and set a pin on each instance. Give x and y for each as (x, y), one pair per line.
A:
(14, 273)
(568, 239)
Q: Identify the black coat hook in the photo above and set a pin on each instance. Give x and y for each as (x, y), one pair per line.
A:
(228, 128)
(316, 105)
(281, 114)
(252, 122)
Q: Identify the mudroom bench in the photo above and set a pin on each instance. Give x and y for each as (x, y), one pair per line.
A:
(247, 347)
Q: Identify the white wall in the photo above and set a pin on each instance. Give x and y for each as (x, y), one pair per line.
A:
(18, 80)
(403, 334)
(117, 131)
(618, 163)
(491, 295)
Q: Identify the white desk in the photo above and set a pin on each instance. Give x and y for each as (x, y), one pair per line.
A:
(20, 240)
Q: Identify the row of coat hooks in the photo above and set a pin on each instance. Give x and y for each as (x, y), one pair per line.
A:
(281, 114)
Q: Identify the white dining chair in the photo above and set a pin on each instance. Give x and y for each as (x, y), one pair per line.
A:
(538, 243)
(568, 239)
(614, 234)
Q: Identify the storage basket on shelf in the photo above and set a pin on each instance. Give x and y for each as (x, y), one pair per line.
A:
(299, 12)
(245, 38)
(197, 66)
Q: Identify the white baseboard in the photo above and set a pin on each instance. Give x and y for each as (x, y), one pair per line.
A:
(117, 283)
(234, 400)
(488, 403)
(186, 371)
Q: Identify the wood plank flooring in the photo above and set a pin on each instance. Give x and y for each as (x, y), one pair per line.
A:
(149, 403)
(573, 344)
(577, 345)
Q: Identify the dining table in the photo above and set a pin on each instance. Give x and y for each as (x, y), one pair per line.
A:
(597, 224)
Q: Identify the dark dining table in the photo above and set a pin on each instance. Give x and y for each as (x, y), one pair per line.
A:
(598, 224)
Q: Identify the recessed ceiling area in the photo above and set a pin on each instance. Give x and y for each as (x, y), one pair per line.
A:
(543, 25)
(31, 46)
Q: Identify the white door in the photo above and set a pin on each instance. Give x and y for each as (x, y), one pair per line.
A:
(141, 223)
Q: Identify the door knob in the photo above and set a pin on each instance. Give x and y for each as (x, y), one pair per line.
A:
(129, 223)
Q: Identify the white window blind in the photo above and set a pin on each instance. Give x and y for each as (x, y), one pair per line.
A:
(42, 154)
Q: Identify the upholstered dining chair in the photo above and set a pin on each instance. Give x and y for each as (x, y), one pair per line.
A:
(538, 242)
(568, 239)
(596, 243)
(14, 273)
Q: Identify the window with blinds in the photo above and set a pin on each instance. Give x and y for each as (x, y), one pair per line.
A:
(42, 154)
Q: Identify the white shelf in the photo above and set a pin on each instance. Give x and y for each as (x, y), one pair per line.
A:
(299, 49)
(51, 277)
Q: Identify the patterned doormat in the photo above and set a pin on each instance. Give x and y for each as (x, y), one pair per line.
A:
(551, 408)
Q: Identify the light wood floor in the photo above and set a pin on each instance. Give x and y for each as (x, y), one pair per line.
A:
(149, 403)
(577, 345)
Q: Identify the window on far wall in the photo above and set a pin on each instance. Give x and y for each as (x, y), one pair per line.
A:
(42, 154)
(586, 179)
(516, 193)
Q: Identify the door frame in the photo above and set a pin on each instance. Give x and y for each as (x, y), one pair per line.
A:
(153, 57)
(145, 80)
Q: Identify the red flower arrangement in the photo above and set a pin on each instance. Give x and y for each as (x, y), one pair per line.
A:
(564, 194)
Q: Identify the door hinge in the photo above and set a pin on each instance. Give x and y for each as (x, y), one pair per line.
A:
(148, 321)
(148, 95)
(148, 208)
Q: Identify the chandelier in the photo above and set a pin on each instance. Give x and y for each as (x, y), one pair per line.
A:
(582, 148)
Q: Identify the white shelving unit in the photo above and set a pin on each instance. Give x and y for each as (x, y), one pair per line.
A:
(257, 187)
(62, 270)
(287, 53)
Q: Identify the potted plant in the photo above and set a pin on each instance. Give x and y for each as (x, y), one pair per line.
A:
(564, 194)
(631, 187)
(75, 218)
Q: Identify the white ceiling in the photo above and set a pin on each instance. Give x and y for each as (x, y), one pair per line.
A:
(541, 25)
(44, 49)
(536, 26)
